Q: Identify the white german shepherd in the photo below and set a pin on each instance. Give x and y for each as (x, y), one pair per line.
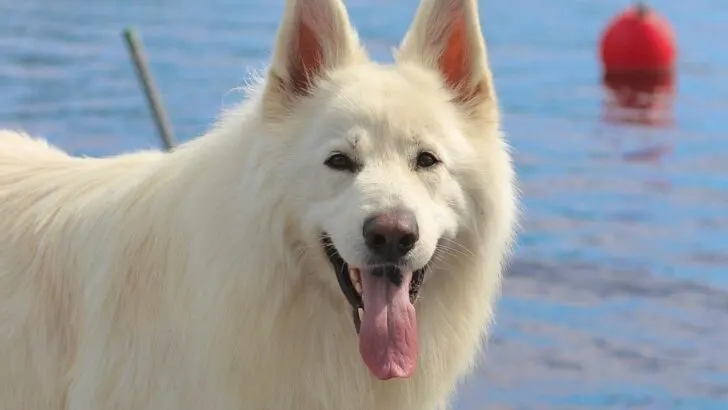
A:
(346, 226)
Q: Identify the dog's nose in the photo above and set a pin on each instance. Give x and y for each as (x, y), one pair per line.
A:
(391, 235)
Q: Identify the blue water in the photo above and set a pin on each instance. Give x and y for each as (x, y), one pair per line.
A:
(618, 295)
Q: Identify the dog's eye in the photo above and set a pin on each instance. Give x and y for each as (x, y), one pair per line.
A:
(426, 160)
(341, 162)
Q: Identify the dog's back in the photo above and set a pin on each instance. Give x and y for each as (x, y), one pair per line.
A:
(38, 301)
(49, 213)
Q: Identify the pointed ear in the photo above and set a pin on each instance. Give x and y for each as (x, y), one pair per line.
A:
(446, 36)
(315, 36)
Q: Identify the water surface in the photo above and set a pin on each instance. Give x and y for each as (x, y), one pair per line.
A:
(618, 295)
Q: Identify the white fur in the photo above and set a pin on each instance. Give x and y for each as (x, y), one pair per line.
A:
(195, 279)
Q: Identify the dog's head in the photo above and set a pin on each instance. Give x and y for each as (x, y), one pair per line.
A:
(383, 155)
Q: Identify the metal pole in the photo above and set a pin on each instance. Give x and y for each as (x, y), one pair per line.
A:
(153, 98)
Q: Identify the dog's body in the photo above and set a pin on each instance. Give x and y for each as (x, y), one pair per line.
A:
(196, 279)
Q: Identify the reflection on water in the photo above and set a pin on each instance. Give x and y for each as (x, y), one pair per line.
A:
(618, 296)
(639, 98)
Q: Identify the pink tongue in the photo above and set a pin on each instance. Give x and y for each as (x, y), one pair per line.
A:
(388, 334)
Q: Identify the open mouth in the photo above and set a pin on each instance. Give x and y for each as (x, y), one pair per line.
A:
(382, 299)
(350, 280)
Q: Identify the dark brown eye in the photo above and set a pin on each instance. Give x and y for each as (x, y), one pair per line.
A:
(341, 162)
(426, 160)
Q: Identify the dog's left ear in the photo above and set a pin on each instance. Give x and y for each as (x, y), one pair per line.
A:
(446, 36)
(315, 37)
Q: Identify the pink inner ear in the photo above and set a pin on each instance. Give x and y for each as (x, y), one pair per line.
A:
(455, 61)
(307, 60)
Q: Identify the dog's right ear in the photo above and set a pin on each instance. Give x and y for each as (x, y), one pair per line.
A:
(446, 36)
(315, 37)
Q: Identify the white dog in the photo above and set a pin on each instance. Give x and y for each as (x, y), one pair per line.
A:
(276, 262)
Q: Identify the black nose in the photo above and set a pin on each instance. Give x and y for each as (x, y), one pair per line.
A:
(391, 235)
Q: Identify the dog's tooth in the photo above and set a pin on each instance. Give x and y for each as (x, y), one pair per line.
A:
(355, 277)
(360, 312)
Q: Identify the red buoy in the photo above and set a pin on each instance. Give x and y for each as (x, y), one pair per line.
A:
(638, 41)
(637, 53)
